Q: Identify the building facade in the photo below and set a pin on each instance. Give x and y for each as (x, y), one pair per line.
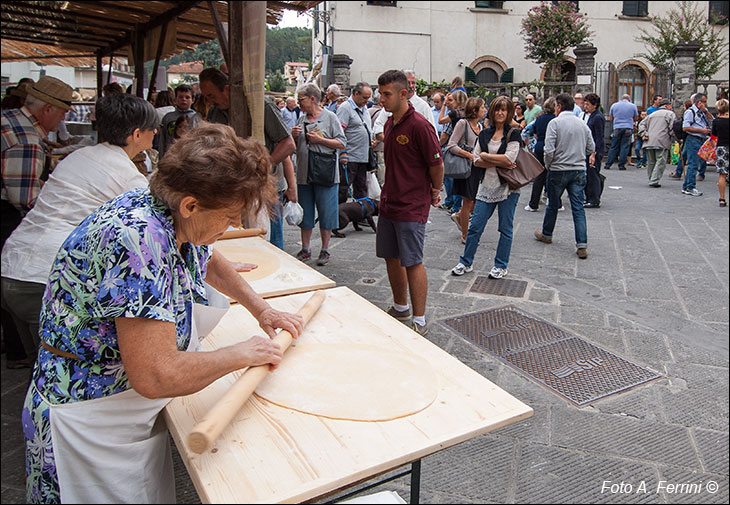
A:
(293, 69)
(438, 40)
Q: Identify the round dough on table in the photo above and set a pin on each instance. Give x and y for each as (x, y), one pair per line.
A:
(351, 381)
(268, 263)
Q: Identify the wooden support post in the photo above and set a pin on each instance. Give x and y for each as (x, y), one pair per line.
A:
(111, 64)
(139, 59)
(222, 35)
(239, 112)
(99, 74)
(160, 43)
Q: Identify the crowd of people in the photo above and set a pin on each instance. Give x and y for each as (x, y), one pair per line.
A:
(106, 257)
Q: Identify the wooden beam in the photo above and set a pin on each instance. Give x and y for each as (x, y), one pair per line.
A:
(160, 43)
(59, 27)
(87, 45)
(55, 32)
(35, 36)
(239, 111)
(151, 24)
(288, 6)
(139, 59)
(222, 36)
(63, 17)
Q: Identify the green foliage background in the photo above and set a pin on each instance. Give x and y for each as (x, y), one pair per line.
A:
(282, 45)
(685, 24)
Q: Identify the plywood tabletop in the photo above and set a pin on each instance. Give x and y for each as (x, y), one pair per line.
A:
(271, 454)
(278, 273)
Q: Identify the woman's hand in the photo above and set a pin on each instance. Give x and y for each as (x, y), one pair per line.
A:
(314, 138)
(296, 131)
(269, 319)
(258, 351)
(243, 267)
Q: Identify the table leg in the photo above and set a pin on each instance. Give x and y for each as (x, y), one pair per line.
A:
(416, 481)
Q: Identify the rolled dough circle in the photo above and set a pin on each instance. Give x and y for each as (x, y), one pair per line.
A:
(268, 263)
(350, 381)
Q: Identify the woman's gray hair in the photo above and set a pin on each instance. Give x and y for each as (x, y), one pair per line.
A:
(311, 90)
(549, 105)
(118, 116)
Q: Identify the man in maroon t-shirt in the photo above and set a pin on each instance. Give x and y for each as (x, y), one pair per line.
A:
(413, 178)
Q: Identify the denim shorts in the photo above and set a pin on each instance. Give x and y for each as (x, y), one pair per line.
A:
(324, 198)
(400, 239)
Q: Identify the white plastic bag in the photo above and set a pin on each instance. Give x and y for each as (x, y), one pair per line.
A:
(293, 213)
(372, 188)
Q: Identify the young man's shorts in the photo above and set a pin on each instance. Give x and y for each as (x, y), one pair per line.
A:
(324, 199)
(400, 239)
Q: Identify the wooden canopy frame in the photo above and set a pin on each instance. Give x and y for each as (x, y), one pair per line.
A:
(75, 33)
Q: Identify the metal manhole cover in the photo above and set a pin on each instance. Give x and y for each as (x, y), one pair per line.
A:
(501, 287)
(555, 358)
(505, 330)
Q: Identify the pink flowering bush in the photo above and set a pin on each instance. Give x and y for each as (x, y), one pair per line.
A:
(550, 30)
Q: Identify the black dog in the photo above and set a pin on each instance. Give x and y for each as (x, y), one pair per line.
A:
(355, 212)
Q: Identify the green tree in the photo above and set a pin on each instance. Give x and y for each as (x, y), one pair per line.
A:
(207, 52)
(276, 82)
(287, 44)
(549, 30)
(685, 24)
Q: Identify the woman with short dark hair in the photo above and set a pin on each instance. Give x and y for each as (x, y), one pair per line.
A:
(120, 313)
(81, 182)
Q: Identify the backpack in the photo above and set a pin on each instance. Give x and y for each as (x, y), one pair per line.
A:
(679, 133)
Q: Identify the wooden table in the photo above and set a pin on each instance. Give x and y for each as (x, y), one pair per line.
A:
(278, 272)
(270, 454)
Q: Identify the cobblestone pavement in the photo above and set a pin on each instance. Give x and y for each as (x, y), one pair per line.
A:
(653, 290)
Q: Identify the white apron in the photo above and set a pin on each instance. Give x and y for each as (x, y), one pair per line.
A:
(116, 449)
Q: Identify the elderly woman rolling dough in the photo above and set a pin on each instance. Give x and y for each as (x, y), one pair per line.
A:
(119, 313)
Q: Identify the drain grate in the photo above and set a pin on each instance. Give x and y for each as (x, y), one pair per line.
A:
(505, 330)
(501, 287)
(555, 358)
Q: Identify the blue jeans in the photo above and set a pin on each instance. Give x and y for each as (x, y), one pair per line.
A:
(276, 234)
(640, 160)
(574, 181)
(692, 144)
(453, 201)
(482, 212)
(622, 140)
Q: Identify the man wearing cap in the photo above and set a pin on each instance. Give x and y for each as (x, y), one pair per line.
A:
(656, 131)
(23, 154)
(22, 160)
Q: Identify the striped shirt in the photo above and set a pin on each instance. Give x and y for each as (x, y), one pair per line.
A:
(23, 157)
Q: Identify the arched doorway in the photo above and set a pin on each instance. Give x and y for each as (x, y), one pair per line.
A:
(487, 76)
(632, 81)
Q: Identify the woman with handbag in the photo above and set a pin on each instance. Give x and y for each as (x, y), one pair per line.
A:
(461, 143)
(318, 135)
(498, 145)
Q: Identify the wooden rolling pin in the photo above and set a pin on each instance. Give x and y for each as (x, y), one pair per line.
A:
(243, 232)
(207, 430)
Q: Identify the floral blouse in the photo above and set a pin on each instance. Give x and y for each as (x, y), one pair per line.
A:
(121, 261)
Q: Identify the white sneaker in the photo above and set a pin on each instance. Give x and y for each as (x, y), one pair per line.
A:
(530, 209)
(497, 273)
(562, 207)
(692, 192)
(461, 269)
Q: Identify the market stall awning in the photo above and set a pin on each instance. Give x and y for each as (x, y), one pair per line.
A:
(74, 33)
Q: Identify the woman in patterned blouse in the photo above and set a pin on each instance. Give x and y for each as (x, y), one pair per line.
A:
(117, 320)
